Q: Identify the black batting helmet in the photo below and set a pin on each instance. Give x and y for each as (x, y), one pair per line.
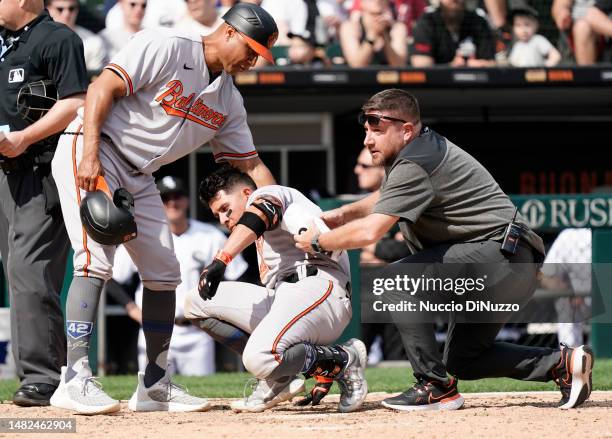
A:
(35, 99)
(106, 221)
(256, 25)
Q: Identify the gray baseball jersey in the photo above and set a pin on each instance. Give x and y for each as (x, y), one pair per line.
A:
(170, 108)
(276, 252)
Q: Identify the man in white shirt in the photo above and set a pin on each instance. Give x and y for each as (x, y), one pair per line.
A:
(201, 17)
(159, 13)
(66, 12)
(130, 21)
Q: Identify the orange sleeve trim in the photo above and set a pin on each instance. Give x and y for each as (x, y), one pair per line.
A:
(296, 318)
(236, 155)
(124, 75)
(78, 197)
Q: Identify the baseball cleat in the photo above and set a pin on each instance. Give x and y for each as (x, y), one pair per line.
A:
(83, 394)
(164, 396)
(352, 382)
(267, 394)
(427, 395)
(574, 375)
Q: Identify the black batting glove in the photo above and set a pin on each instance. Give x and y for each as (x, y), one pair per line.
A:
(210, 278)
(318, 392)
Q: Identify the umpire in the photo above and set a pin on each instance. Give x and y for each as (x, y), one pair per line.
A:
(33, 240)
(450, 210)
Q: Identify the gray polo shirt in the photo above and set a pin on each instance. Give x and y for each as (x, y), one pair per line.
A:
(444, 195)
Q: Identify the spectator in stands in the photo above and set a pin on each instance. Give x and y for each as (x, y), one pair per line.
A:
(450, 34)
(530, 49)
(66, 12)
(305, 51)
(115, 37)
(405, 11)
(599, 16)
(308, 18)
(374, 37)
(159, 13)
(201, 17)
(570, 18)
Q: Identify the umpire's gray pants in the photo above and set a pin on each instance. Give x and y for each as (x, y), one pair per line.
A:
(34, 248)
(471, 351)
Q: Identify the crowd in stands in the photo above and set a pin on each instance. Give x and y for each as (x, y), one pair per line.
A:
(360, 33)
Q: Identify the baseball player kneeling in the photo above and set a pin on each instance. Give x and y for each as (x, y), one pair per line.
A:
(281, 329)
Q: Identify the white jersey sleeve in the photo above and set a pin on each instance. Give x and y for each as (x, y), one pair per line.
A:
(145, 60)
(234, 140)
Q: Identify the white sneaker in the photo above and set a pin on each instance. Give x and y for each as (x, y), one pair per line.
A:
(83, 394)
(352, 382)
(164, 396)
(267, 394)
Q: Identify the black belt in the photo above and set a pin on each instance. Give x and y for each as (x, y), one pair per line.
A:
(110, 142)
(311, 270)
(182, 321)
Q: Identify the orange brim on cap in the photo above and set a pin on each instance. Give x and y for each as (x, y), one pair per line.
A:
(259, 48)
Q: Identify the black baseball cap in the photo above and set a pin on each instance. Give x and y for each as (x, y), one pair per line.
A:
(171, 185)
(256, 25)
(524, 9)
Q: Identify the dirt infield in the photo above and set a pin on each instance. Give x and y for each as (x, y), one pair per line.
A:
(484, 415)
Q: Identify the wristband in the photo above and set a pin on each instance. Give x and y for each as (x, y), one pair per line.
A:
(224, 257)
(314, 243)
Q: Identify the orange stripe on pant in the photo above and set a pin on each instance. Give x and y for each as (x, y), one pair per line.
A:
(296, 318)
(78, 194)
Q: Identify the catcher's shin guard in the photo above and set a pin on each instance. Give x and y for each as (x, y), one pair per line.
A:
(328, 361)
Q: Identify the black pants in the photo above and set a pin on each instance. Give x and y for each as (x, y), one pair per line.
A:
(34, 247)
(471, 351)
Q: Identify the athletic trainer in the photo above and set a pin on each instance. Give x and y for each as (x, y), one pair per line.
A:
(450, 210)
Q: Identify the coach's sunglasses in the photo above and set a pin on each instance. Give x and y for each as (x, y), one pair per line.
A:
(374, 119)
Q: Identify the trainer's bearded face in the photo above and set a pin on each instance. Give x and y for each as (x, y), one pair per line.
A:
(385, 136)
(228, 206)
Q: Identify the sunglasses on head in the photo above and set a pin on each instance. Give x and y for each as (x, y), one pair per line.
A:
(374, 119)
(141, 5)
(61, 9)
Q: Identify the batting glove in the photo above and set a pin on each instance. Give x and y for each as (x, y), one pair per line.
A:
(318, 392)
(210, 278)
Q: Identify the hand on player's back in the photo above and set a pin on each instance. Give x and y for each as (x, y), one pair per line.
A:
(333, 218)
(88, 172)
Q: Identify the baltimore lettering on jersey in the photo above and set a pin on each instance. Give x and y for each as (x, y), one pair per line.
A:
(175, 103)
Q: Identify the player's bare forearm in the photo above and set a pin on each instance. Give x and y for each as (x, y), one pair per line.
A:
(98, 104)
(358, 233)
(256, 169)
(240, 239)
(56, 120)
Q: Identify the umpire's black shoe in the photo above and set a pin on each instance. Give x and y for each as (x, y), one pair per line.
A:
(574, 375)
(427, 395)
(34, 395)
